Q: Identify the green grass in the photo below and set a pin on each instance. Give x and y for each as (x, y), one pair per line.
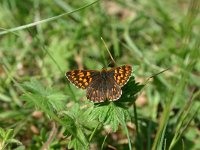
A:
(41, 40)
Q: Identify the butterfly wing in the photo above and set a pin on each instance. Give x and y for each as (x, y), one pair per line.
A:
(99, 88)
(102, 89)
(121, 74)
(114, 91)
(82, 78)
(96, 91)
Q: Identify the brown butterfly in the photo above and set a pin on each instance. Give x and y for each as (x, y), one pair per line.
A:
(101, 85)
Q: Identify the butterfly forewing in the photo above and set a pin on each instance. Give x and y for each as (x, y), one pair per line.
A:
(121, 74)
(82, 78)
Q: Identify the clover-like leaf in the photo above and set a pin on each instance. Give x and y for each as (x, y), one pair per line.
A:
(36, 94)
(111, 114)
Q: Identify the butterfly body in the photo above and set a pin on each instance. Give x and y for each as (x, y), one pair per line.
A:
(104, 74)
(101, 85)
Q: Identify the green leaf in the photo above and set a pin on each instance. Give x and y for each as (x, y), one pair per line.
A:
(111, 114)
(20, 148)
(57, 100)
(83, 125)
(34, 86)
(74, 143)
(6, 134)
(48, 100)
(7, 138)
(129, 92)
(40, 96)
(14, 141)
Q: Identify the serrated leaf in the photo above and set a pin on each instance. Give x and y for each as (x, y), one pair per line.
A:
(9, 134)
(104, 113)
(83, 125)
(75, 143)
(57, 101)
(111, 114)
(2, 133)
(129, 92)
(14, 141)
(34, 86)
(42, 97)
(48, 101)
(6, 138)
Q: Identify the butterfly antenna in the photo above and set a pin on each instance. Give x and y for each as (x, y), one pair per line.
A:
(113, 61)
(155, 75)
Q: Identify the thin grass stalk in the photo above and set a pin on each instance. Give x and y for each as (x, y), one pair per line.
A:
(162, 126)
(45, 20)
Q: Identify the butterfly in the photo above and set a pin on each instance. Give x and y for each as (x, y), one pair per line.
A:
(101, 85)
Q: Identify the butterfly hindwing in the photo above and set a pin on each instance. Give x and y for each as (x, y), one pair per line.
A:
(96, 91)
(114, 91)
(100, 90)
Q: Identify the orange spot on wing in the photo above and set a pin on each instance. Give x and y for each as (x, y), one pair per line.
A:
(88, 74)
(121, 71)
(81, 75)
(115, 77)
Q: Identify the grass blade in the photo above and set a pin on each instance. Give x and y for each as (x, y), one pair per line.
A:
(45, 20)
